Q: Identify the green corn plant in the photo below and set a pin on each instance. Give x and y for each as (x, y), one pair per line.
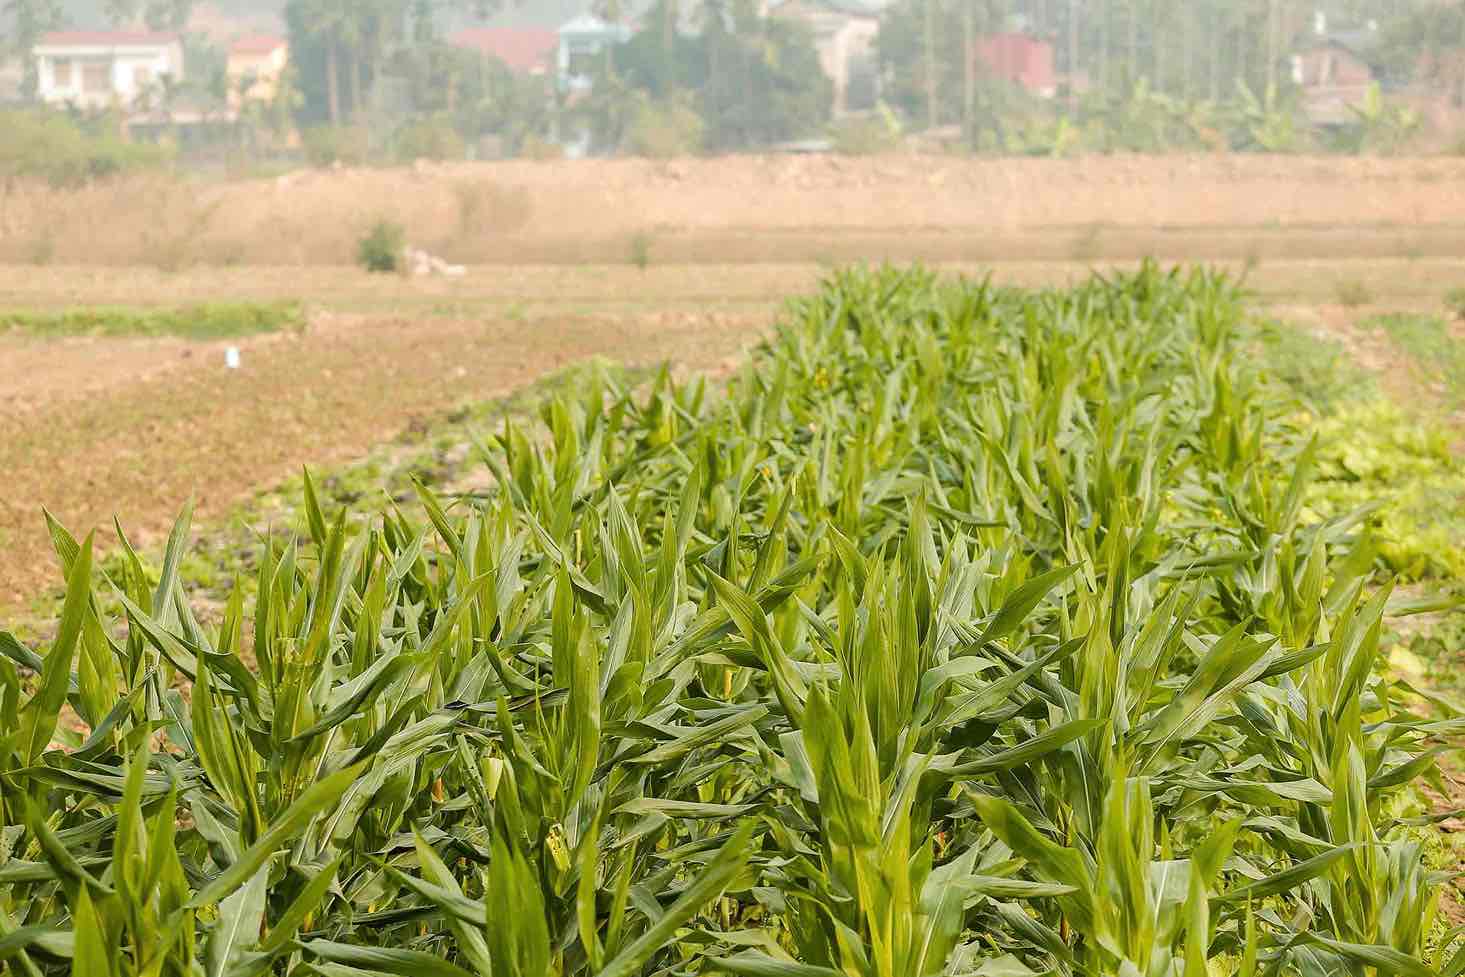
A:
(970, 630)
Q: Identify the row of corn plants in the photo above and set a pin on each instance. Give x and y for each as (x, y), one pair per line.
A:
(972, 632)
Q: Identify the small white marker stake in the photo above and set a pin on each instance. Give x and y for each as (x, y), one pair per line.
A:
(231, 358)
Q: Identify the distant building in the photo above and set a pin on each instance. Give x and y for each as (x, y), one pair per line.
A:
(1334, 71)
(582, 42)
(1018, 58)
(844, 37)
(97, 69)
(527, 50)
(255, 67)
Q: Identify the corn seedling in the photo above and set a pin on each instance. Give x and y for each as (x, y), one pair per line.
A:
(974, 631)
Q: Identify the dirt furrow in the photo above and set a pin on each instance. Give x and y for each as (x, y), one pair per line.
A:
(140, 449)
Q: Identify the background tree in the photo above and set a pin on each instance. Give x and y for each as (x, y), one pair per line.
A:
(340, 47)
(767, 86)
(29, 19)
(660, 65)
(158, 15)
(1427, 44)
(752, 81)
(916, 67)
(504, 103)
(319, 33)
(168, 15)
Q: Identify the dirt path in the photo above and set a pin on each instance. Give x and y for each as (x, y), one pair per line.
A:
(139, 440)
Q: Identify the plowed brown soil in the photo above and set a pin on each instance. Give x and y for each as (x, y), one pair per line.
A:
(109, 428)
(95, 427)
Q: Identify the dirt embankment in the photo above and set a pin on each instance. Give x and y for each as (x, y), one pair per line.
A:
(761, 208)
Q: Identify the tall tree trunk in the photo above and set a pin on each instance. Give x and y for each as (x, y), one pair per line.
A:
(611, 14)
(1241, 47)
(358, 85)
(968, 74)
(1213, 60)
(333, 80)
(1072, 55)
(754, 98)
(713, 39)
(1272, 45)
(931, 117)
(1133, 40)
(1103, 44)
(668, 44)
(1460, 94)
(1188, 57)
(1157, 33)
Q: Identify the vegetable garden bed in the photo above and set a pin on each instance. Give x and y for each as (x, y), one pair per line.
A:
(974, 631)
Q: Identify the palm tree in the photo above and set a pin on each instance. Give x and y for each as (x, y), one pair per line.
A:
(1242, 35)
(332, 22)
(1072, 55)
(120, 12)
(713, 22)
(30, 19)
(168, 14)
(1213, 59)
(610, 11)
(1460, 95)
(1133, 8)
(1273, 51)
(1157, 36)
(930, 59)
(968, 74)
(1187, 58)
(668, 40)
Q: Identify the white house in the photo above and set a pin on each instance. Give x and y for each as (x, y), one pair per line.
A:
(583, 40)
(95, 69)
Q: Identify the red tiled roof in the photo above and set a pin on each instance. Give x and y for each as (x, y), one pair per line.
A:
(257, 44)
(107, 39)
(521, 50)
(1019, 58)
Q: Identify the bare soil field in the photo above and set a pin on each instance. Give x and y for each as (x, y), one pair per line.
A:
(95, 427)
(140, 444)
(764, 209)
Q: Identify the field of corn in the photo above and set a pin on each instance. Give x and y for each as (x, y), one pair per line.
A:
(972, 631)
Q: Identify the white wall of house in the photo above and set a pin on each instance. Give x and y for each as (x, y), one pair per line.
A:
(583, 40)
(96, 75)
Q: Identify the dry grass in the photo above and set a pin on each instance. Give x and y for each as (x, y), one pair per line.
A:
(750, 209)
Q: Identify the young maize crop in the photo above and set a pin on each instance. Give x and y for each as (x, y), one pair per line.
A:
(974, 631)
